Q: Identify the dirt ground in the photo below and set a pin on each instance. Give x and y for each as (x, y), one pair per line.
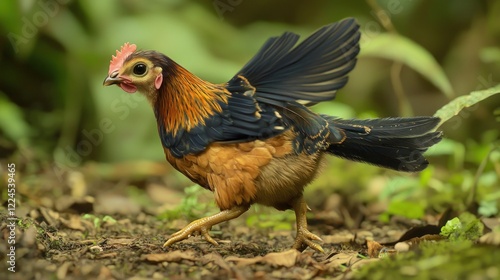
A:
(112, 226)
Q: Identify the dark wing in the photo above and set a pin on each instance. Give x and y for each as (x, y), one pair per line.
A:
(309, 72)
(241, 119)
(268, 93)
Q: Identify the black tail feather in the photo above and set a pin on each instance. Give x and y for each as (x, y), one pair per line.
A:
(395, 143)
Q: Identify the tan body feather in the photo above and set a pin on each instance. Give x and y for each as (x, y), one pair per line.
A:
(265, 172)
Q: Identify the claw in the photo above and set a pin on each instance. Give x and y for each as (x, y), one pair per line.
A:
(207, 237)
(204, 225)
(305, 239)
(190, 230)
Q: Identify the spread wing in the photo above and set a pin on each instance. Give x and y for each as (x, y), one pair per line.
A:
(268, 94)
(309, 72)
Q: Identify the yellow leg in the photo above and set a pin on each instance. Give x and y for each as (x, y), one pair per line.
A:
(304, 236)
(203, 225)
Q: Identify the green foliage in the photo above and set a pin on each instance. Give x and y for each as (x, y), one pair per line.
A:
(464, 228)
(99, 221)
(190, 206)
(471, 174)
(408, 209)
(398, 48)
(458, 104)
(436, 260)
(12, 122)
(270, 219)
(138, 195)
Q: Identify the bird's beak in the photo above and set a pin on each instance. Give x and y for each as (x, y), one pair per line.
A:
(112, 79)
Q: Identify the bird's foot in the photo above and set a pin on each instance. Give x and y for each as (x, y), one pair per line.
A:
(305, 239)
(204, 225)
(199, 226)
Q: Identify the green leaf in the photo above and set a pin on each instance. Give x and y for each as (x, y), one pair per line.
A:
(488, 208)
(398, 48)
(490, 55)
(12, 121)
(465, 227)
(451, 226)
(458, 104)
(408, 209)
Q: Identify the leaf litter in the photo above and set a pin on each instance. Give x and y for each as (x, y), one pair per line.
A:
(76, 239)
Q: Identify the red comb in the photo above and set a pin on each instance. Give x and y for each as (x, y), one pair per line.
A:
(117, 61)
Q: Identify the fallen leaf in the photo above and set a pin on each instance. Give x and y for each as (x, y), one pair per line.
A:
(174, 256)
(50, 216)
(491, 238)
(62, 271)
(105, 273)
(216, 259)
(286, 259)
(429, 237)
(340, 259)
(416, 232)
(73, 222)
(108, 255)
(373, 248)
(491, 223)
(343, 237)
(361, 262)
(81, 205)
(119, 241)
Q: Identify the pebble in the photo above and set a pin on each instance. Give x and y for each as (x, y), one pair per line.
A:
(402, 247)
(362, 236)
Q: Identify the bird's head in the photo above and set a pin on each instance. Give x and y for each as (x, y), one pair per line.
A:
(133, 70)
(174, 93)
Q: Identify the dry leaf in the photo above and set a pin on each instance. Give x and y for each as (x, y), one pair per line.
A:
(216, 259)
(361, 262)
(74, 222)
(491, 223)
(174, 256)
(373, 248)
(491, 238)
(340, 259)
(342, 237)
(286, 259)
(50, 216)
(119, 241)
(108, 255)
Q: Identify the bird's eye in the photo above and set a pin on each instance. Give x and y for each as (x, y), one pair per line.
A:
(140, 69)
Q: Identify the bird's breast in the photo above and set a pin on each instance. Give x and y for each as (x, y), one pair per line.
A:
(267, 171)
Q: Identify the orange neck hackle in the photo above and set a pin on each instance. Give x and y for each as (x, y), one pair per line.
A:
(185, 100)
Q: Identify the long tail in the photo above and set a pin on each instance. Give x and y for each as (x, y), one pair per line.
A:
(395, 143)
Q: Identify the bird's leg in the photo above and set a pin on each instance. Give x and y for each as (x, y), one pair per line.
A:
(304, 236)
(203, 225)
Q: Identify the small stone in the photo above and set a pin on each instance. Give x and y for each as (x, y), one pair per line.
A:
(96, 249)
(362, 236)
(402, 247)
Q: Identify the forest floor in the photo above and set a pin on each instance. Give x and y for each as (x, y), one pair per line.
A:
(113, 225)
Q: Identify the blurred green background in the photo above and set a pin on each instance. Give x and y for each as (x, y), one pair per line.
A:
(55, 115)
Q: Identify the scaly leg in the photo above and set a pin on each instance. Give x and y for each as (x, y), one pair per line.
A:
(304, 236)
(203, 225)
